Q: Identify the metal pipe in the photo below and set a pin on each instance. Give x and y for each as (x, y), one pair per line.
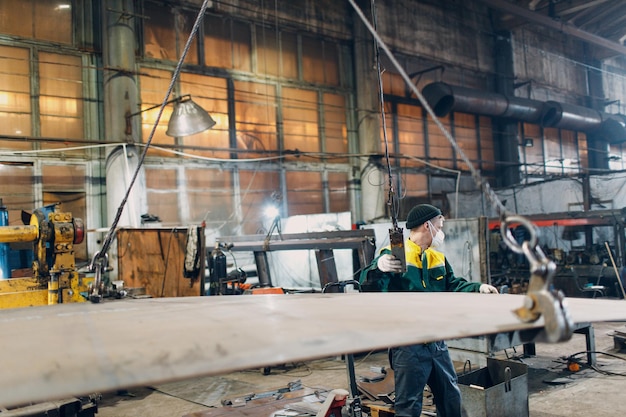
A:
(569, 116)
(614, 128)
(523, 109)
(444, 98)
(13, 234)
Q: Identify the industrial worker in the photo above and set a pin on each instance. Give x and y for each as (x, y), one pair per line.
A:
(427, 270)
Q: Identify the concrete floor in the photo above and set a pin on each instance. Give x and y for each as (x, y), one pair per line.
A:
(553, 390)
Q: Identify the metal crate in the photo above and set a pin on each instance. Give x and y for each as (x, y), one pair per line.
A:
(500, 389)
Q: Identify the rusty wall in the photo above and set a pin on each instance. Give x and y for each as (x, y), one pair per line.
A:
(552, 62)
(456, 34)
(614, 75)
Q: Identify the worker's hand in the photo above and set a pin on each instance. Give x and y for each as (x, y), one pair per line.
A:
(488, 289)
(389, 263)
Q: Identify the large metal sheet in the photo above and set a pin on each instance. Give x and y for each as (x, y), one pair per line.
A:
(66, 350)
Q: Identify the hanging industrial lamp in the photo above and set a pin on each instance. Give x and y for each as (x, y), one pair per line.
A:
(188, 118)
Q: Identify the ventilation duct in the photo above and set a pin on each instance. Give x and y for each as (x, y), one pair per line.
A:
(612, 127)
(444, 98)
(569, 116)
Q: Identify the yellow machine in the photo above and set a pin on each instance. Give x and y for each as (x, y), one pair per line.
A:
(55, 278)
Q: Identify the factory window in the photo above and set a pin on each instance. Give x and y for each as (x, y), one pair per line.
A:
(569, 155)
(267, 51)
(553, 152)
(277, 53)
(15, 106)
(210, 199)
(64, 185)
(218, 51)
(533, 154)
(581, 139)
(66, 178)
(414, 185)
(258, 190)
(303, 193)
(410, 134)
(166, 31)
(320, 61)
(163, 194)
(339, 199)
(300, 120)
(487, 155)
(60, 96)
(439, 148)
(154, 84)
(393, 83)
(255, 112)
(227, 43)
(17, 189)
(210, 93)
(242, 47)
(53, 19)
(466, 136)
(335, 129)
(561, 151)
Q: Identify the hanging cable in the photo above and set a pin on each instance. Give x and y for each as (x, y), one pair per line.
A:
(391, 201)
(396, 235)
(99, 261)
(480, 182)
(540, 299)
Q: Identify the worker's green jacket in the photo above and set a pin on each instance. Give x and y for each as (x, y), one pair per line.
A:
(438, 277)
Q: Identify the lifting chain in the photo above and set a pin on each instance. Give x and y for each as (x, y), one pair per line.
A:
(540, 298)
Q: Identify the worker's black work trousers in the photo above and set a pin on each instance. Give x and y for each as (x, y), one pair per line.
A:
(417, 365)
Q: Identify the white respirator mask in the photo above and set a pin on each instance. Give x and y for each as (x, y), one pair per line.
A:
(438, 238)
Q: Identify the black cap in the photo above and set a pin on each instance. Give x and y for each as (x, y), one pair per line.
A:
(420, 214)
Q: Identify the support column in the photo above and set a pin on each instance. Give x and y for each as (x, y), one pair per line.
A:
(506, 137)
(372, 178)
(121, 98)
(597, 145)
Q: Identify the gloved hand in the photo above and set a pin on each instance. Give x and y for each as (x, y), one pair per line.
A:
(488, 289)
(389, 263)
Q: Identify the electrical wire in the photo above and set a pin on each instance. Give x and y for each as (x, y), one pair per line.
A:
(595, 367)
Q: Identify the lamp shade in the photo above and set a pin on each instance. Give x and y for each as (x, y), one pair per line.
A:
(188, 118)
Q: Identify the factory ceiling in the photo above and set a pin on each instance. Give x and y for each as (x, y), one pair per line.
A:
(598, 22)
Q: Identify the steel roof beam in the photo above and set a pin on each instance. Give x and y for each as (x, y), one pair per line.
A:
(535, 17)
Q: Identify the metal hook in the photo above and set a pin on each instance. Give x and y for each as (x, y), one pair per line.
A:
(508, 238)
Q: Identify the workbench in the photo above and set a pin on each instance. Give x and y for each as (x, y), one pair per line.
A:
(477, 349)
(323, 243)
